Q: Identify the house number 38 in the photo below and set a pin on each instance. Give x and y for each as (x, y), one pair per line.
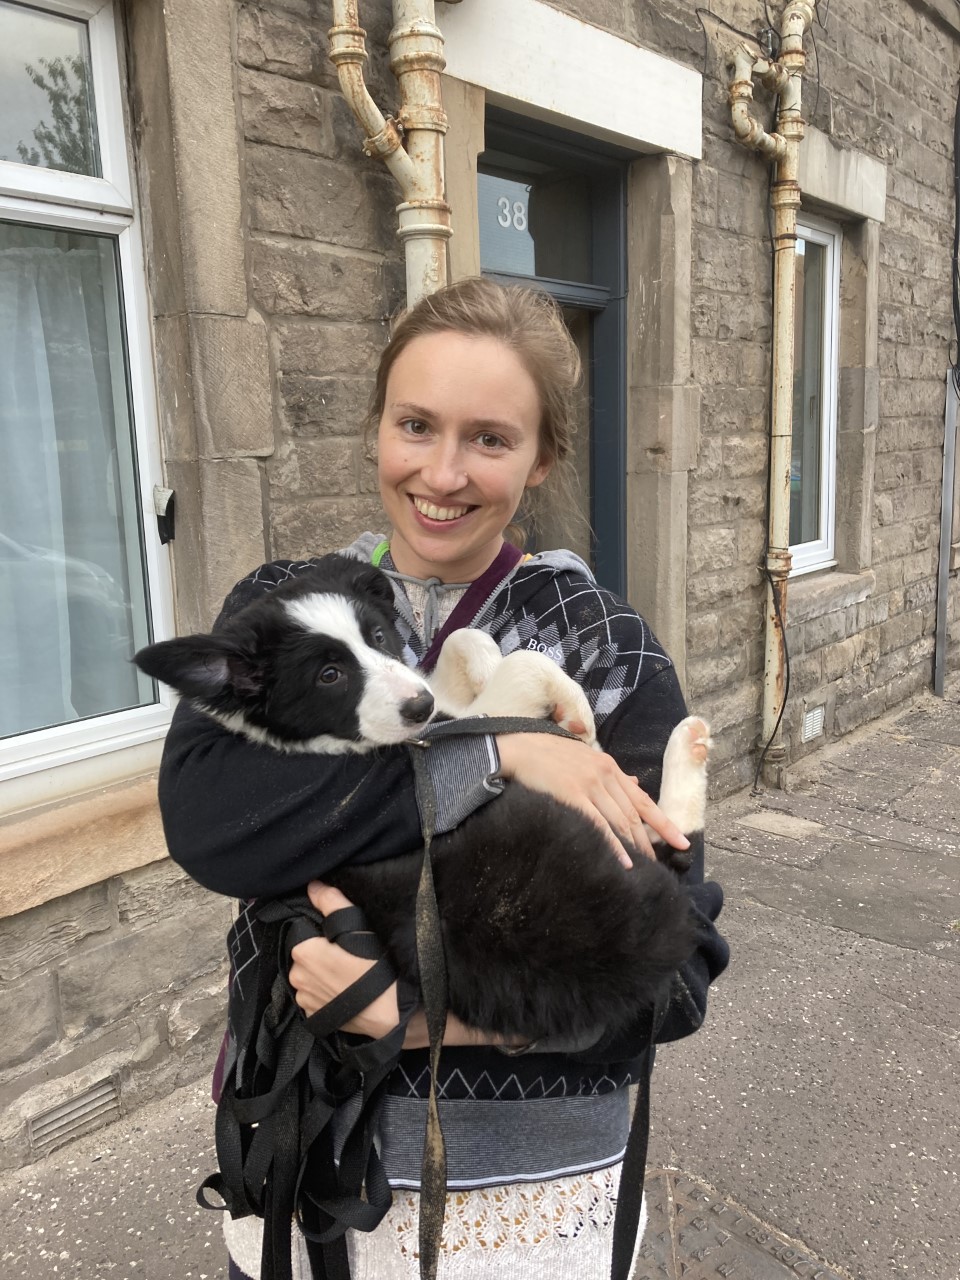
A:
(512, 215)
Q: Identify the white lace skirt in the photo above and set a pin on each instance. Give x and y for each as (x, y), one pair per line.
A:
(556, 1230)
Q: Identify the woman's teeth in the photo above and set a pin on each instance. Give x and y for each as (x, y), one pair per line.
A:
(439, 513)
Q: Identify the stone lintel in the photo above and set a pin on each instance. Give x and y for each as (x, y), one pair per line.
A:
(847, 180)
(231, 386)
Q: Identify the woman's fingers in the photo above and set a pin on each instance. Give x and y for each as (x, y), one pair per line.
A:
(592, 782)
(326, 898)
(320, 971)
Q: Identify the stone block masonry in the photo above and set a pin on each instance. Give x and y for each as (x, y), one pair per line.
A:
(124, 979)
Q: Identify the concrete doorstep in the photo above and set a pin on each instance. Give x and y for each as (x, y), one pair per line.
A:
(809, 1130)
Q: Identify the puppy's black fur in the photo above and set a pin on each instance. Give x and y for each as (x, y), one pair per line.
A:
(545, 933)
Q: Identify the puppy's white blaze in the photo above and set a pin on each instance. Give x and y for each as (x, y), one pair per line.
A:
(323, 744)
(388, 684)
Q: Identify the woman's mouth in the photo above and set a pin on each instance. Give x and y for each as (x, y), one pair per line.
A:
(440, 514)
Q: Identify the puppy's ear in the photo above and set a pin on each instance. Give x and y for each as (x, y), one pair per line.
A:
(369, 580)
(200, 666)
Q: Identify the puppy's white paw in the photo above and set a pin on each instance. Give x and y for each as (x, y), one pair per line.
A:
(683, 790)
(467, 661)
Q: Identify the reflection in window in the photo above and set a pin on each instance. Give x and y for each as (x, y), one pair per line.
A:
(535, 220)
(46, 102)
(72, 581)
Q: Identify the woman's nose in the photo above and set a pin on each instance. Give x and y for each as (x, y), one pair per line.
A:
(444, 471)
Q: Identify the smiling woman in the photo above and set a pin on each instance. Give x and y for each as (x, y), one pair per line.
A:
(453, 470)
(474, 407)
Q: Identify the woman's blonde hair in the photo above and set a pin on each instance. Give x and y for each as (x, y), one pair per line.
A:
(529, 322)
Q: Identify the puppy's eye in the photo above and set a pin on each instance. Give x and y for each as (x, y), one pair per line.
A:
(330, 675)
(379, 637)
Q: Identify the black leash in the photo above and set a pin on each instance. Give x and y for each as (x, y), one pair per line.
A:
(275, 1141)
(274, 1136)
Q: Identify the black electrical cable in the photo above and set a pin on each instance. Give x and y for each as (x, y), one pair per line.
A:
(747, 35)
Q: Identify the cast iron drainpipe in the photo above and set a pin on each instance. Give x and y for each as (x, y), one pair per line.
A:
(783, 77)
(411, 145)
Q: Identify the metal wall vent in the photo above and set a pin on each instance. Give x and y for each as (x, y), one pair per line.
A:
(89, 1110)
(813, 723)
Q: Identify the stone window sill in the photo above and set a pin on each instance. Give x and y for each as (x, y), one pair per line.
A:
(57, 849)
(821, 593)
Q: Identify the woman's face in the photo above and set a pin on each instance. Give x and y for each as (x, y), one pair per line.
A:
(457, 445)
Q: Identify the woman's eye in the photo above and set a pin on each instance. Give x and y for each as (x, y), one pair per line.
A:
(330, 675)
(488, 440)
(415, 426)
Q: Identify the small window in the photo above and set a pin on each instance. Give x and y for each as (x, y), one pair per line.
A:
(813, 457)
(83, 581)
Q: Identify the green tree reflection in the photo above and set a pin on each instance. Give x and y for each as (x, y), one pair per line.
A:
(67, 141)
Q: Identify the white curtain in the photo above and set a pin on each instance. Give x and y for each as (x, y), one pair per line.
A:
(65, 592)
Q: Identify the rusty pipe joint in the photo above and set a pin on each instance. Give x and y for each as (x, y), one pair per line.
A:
(348, 53)
(746, 128)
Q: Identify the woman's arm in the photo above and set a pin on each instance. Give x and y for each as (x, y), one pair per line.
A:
(247, 821)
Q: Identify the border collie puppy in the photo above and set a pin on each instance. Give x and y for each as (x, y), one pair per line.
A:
(546, 934)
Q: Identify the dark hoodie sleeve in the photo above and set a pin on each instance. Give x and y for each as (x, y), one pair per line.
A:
(247, 821)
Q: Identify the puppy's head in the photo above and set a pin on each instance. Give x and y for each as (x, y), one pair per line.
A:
(313, 666)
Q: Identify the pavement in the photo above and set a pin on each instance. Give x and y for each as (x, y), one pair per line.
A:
(811, 1129)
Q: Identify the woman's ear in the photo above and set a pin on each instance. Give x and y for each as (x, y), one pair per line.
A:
(539, 473)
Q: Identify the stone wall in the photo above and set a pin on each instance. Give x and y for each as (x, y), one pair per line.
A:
(882, 83)
(122, 981)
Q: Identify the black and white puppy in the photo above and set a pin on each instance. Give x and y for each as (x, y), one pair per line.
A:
(546, 934)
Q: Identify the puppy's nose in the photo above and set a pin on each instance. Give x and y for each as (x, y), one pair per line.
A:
(417, 710)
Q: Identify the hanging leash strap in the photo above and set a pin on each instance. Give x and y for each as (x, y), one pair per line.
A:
(433, 970)
(275, 1140)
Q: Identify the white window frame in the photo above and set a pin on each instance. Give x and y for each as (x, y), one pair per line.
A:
(821, 552)
(105, 205)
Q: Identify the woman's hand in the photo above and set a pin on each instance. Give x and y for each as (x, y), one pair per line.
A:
(321, 970)
(590, 781)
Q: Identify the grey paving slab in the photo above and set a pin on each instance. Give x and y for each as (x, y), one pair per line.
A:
(119, 1203)
(695, 1234)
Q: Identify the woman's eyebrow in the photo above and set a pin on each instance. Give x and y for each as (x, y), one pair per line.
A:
(406, 407)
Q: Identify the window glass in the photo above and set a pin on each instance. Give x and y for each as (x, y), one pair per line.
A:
(535, 220)
(46, 100)
(808, 384)
(72, 578)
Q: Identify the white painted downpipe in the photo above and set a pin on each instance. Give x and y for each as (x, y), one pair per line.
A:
(782, 77)
(411, 145)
